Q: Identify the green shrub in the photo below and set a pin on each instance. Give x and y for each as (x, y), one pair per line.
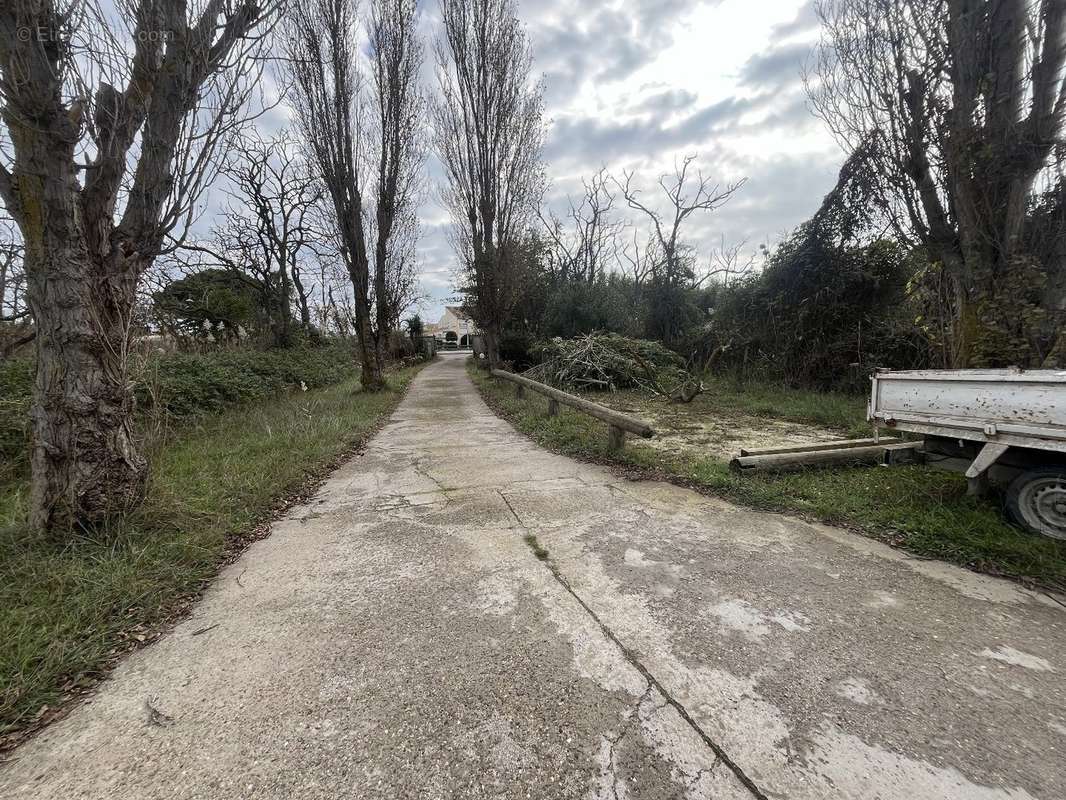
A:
(517, 348)
(575, 307)
(181, 385)
(819, 316)
(16, 387)
(832, 302)
(184, 385)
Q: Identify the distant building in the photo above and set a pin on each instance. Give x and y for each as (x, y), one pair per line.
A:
(454, 329)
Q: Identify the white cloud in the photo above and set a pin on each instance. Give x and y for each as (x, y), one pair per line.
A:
(636, 84)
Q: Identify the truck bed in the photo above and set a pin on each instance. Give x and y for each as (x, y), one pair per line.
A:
(1023, 408)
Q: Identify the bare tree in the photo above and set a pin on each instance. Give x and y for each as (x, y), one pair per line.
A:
(372, 212)
(727, 265)
(641, 258)
(400, 106)
(114, 119)
(266, 229)
(488, 134)
(586, 244)
(322, 59)
(685, 194)
(962, 106)
(330, 274)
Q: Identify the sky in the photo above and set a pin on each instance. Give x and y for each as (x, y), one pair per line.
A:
(638, 84)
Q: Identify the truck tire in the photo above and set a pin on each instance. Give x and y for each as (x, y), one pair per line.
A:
(1037, 500)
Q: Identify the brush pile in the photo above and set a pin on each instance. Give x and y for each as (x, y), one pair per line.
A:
(607, 361)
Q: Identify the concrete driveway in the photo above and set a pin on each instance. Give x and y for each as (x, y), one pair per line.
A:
(397, 637)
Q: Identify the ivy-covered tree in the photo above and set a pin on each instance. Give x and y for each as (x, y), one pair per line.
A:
(832, 300)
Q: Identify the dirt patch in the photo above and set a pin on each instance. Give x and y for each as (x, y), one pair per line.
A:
(720, 435)
(724, 438)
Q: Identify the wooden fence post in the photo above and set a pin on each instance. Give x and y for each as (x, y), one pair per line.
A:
(618, 422)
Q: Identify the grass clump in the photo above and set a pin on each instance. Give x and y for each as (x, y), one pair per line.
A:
(16, 384)
(919, 509)
(65, 612)
(538, 550)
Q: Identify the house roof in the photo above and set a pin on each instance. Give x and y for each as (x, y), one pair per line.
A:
(457, 312)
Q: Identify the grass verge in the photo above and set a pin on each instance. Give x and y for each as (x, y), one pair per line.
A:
(922, 510)
(67, 615)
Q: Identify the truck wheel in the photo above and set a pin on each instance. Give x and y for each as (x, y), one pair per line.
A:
(1037, 500)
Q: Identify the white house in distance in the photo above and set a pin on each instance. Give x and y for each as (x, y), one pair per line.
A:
(455, 328)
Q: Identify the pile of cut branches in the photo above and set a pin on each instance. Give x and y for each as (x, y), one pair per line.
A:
(607, 361)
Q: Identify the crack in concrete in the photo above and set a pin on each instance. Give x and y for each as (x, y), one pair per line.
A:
(1055, 599)
(417, 465)
(511, 508)
(719, 752)
(634, 713)
(698, 775)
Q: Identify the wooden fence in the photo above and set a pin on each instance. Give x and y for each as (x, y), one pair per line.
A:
(618, 423)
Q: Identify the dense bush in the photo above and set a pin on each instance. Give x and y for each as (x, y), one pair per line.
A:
(399, 346)
(832, 303)
(819, 316)
(517, 348)
(183, 385)
(215, 301)
(575, 307)
(672, 314)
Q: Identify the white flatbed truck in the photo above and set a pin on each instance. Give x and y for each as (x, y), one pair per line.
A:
(1007, 423)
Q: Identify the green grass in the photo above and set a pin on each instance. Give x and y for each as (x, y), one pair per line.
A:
(919, 509)
(843, 412)
(725, 397)
(65, 614)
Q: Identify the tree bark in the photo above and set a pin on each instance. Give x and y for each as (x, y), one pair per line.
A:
(84, 459)
(371, 376)
(491, 337)
(302, 301)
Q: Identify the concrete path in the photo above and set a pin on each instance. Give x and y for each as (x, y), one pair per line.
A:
(398, 638)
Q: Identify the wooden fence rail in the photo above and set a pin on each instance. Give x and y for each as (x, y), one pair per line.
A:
(618, 422)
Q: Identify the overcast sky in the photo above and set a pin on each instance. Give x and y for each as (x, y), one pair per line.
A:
(635, 84)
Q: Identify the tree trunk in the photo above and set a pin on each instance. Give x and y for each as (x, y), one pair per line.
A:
(492, 345)
(301, 298)
(85, 464)
(277, 309)
(371, 378)
(81, 291)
